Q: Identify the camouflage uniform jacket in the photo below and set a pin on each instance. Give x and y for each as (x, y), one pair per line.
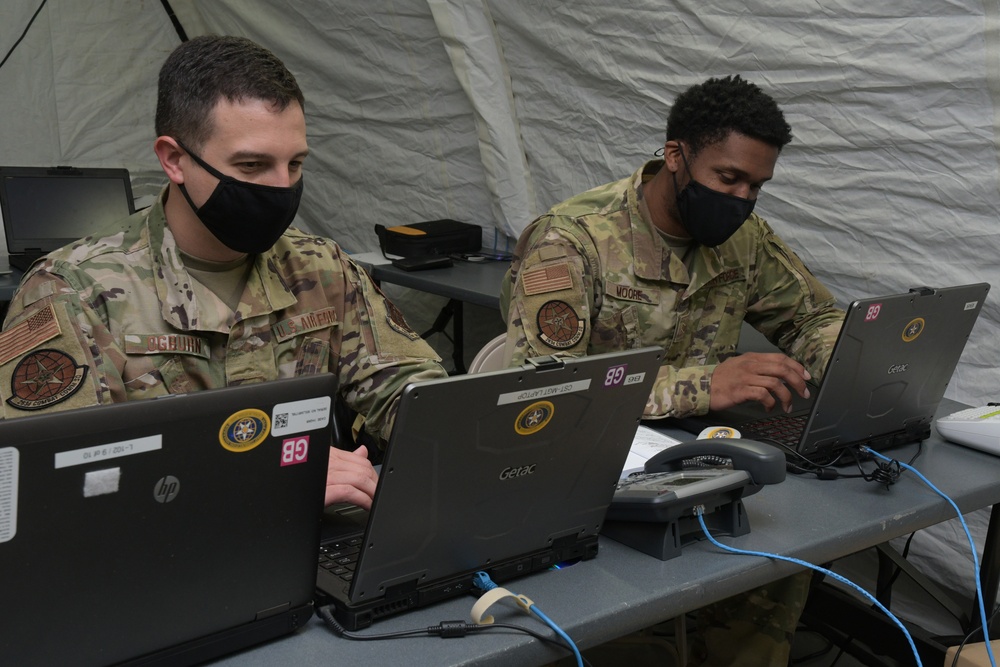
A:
(593, 275)
(117, 317)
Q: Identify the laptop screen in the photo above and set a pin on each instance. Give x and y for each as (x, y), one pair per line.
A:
(44, 209)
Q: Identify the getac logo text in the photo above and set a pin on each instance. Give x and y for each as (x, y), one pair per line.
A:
(511, 473)
(898, 368)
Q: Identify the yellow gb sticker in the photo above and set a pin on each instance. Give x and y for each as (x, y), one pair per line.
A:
(244, 430)
(534, 417)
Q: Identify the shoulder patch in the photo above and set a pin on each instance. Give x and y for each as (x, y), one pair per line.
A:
(551, 252)
(395, 319)
(546, 279)
(32, 332)
(558, 325)
(44, 378)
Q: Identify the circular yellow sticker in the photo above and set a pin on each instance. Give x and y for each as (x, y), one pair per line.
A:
(244, 430)
(534, 417)
(718, 432)
(913, 329)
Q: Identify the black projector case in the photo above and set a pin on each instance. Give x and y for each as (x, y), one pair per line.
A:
(433, 237)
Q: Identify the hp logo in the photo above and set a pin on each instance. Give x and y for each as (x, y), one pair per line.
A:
(166, 489)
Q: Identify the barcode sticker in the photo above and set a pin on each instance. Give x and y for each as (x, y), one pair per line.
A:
(300, 416)
(10, 465)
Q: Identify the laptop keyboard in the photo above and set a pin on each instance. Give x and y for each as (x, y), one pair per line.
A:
(341, 557)
(784, 429)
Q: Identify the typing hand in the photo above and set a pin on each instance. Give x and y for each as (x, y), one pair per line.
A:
(350, 478)
(768, 378)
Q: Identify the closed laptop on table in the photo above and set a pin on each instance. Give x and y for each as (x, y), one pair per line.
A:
(887, 374)
(509, 472)
(162, 532)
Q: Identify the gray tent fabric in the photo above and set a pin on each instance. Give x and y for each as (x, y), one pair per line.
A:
(490, 111)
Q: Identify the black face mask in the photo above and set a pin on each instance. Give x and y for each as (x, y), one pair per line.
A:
(245, 217)
(709, 216)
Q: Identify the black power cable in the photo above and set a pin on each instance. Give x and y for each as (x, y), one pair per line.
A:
(26, 28)
(173, 19)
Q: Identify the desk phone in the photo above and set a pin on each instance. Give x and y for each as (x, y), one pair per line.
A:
(709, 472)
(653, 511)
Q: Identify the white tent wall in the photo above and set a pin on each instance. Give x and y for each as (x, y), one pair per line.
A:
(490, 111)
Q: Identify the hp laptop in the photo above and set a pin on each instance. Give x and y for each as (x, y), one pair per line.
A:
(509, 472)
(162, 532)
(887, 373)
(46, 208)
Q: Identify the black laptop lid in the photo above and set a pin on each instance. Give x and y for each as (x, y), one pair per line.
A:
(137, 529)
(891, 366)
(47, 208)
(485, 467)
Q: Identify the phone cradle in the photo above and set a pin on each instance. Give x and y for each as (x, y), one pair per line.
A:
(653, 511)
(665, 537)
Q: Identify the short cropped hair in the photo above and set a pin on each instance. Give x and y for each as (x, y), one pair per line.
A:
(708, 112)
(205, 69)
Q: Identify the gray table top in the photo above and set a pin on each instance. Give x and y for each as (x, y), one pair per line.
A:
(8, 285)
(623, 590)
(472, 282)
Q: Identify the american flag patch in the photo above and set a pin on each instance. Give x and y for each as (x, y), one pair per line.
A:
(546, 279)
(34, 331)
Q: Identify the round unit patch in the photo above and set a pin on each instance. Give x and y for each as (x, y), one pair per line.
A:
(244, 430)
(44, 378)
(913, 329)
(534, 418)
(558, 325)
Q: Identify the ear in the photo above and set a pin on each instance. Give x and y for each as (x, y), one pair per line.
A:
(170, 154)
(672, 155)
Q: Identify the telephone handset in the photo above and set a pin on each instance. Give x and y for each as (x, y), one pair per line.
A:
(711, 473)
(764, 463)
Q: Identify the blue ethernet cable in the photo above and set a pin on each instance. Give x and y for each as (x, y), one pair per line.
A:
(482, 581)
(968, 535)
(699, 511)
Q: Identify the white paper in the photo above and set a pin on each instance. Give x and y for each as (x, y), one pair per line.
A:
(646, 444)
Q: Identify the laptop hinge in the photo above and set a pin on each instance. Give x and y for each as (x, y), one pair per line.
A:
(546, 363)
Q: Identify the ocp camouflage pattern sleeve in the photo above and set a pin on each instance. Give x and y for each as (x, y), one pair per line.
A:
(548, 295)
(791, 307)
(52, 357)
(381, 354)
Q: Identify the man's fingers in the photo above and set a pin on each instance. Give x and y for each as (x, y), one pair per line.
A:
(350, 478)
(768, 378)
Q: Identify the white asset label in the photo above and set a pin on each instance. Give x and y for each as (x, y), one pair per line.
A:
(9, 472)
(111, 450)
(543, 392)
(300, 416)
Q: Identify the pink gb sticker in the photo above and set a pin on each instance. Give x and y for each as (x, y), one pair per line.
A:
(873, 311)
(615, 375)
(294, 450)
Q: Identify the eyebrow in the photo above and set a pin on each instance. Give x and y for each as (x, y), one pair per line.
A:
(261, 157)
(742, 174)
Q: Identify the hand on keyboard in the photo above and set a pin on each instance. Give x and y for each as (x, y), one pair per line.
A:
(766, 377)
